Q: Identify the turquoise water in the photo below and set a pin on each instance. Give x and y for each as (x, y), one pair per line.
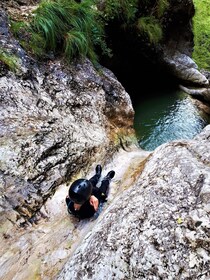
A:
(166, 117)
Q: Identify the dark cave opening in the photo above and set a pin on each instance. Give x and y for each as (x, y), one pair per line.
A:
(139, 76)
(137, 64)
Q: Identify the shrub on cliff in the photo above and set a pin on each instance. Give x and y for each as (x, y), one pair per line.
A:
(143, 16)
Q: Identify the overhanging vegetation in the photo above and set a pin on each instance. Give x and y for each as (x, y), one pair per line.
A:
(77, 29)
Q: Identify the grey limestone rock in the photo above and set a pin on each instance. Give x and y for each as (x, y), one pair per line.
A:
(160, 227)
(185, 69)
(55, 120)
(54, 124)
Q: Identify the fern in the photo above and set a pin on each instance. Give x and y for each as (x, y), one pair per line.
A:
(151, 27)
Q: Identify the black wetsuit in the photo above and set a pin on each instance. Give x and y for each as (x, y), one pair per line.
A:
(87, 210)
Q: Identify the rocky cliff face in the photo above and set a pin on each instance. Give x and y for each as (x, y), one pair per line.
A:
(55, 120)
(56, 123)
(159, 228)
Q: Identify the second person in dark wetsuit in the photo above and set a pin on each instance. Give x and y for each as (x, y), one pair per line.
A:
(84, 196)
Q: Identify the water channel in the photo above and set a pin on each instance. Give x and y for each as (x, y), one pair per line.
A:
(166, 116)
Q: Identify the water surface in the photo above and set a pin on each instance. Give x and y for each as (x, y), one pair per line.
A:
(166, 117)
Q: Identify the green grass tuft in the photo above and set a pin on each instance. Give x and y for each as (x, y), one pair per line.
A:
(75, 44)
(69, 26)
(51, 21)
(63, 27)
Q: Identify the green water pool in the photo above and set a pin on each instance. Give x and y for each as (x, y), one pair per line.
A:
(166, 116)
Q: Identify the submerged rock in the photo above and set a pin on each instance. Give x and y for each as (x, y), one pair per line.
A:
(159, 228)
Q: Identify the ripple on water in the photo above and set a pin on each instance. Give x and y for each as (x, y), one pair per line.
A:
(165, 118)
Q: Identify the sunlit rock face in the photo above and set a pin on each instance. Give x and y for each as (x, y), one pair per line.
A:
(159, 228)
(55, 120)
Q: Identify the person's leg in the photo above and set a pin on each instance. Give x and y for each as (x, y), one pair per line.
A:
(94, 180)
(104, 188)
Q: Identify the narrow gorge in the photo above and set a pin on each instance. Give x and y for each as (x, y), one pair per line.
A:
(59, 120)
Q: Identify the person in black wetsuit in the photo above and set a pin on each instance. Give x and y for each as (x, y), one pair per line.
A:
(84, 196)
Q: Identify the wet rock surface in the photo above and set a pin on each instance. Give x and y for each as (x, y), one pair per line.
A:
(56, 123)
(193, 81)
(40, 250)
(159, 228)
(53, 125)
(55, 120)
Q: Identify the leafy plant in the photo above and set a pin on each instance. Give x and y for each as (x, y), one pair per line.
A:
(77, 29)
(121, 9)
(201, 28)
(143, 14)
(18, 27)
(31, 41)
(51, 20)
(76, 44)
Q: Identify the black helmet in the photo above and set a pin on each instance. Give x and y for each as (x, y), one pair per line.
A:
(80, 191)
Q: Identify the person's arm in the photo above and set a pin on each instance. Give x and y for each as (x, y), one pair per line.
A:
(94, 202)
